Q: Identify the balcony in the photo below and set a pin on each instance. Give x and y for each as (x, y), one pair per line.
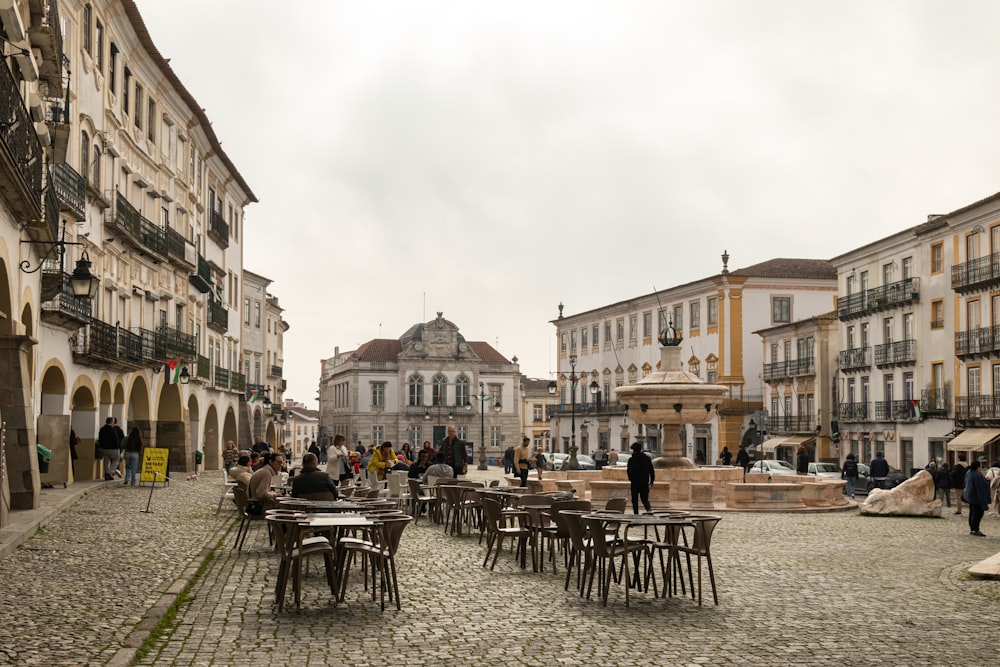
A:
(127, 222)
(852, 412)
(203, 369)
(895, 411)
(202, 280)
(786, 425)
(59, 306)
(608, 409)
(179, 249)
(740, 406)
(218, 316)
(218, 229)
(976, 274)
(935, 402)
(221, 378)
(21, 157)
(977, 407)
(71, 189)
(102, 345)
(981, 341)
(899, 353)
(877, 299)
(275, 372)
(175, 344)
(855, 359)
(781, 370)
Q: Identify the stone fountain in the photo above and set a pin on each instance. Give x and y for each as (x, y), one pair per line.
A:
(671, 397)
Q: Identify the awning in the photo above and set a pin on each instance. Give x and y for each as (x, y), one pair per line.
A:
(794, 442)
(973, 439)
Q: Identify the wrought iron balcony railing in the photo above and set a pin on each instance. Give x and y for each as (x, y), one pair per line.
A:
(221, 377)
(901, 352)
(875, 299)
(18, 137)
(71, 189)
(218, 228)
(895, 411)
(58, 304)
(786, 424)
(979, 273)
(275, 371)
(202, 280)
(935, 402)
(984, 340)
(977, 407)
(789, 368)
(105, 345)
(218, 315)
(854, 359)
(853, 411)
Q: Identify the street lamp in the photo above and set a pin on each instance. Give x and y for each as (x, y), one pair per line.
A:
(573, 463)
(482, 422)
(82, 282)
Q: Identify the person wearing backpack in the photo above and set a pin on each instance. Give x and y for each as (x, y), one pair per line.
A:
(850, 473)
(958, 481)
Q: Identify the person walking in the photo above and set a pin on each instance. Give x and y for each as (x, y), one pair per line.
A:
(454, 452)
(879, 469)
(230, 455)
(743, 458)
(107, 442)
(726, 456)
(958, 481)
(133, 448)
(942, 483)
(539, 461)
(977, 495)
(338, 465)
(613, 457)
(993, 478)
(849, 472)
(508, 460)
(640, 476)
(600, 456)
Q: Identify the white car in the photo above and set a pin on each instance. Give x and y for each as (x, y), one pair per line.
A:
(827, 470)
(772, 467)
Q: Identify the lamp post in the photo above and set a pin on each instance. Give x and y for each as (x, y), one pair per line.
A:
(482, 423)
(82, 282)
(573, 463)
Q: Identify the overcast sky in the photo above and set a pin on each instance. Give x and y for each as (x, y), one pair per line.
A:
(491, 159)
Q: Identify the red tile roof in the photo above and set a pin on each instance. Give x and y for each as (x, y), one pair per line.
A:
(487, 353)
(379, 349)
(820, 269)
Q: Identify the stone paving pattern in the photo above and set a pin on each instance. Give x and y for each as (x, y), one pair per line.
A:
(812, 589)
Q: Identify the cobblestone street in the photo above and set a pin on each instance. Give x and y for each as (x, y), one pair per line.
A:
(815, 589)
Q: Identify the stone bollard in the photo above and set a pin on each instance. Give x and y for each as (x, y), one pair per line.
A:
(702, 496)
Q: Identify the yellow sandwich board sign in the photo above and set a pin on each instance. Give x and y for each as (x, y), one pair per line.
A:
(154, 460)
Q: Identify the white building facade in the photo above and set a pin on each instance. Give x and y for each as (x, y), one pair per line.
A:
(617, 344)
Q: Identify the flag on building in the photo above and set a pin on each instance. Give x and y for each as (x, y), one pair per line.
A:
(173, 371)
(254, 395)
(915, 404)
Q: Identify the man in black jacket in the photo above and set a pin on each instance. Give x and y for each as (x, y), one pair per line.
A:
(641, 475)
(311, 479)
(108, 443)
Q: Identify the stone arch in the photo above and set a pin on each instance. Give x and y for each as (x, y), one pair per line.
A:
(211, 438)
(6, 325)
(171, 431)
(230, 427)
(84, 422)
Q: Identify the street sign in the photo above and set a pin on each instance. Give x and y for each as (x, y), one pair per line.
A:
(154, 460)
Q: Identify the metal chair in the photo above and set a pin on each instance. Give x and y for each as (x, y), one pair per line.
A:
(381, 553)
(495, 534)
(605, 554)
(292, 550)
(701, 547)
(250, 512)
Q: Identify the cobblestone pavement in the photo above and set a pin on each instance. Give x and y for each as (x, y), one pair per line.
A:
(813, 589)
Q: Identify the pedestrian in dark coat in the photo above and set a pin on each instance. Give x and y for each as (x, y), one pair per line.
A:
(942, 482)
(977, 494)
(641, 475)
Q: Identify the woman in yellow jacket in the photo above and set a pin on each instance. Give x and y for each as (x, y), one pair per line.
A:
(382, 460)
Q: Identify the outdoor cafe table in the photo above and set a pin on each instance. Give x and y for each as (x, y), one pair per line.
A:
(623, 522)
(322, 505)
(335, 525)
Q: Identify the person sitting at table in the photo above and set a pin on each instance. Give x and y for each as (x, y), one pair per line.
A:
(439, 469)
(256, 461)
(381, 461)
(259, 488)
(400, 463)
(311, 479)
(241, 472)
(418, 469)
(640, 476)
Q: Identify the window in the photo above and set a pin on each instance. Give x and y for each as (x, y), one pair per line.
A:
(88, 26)
(889, 385)
(713, 312)
(378, 434)
(463, 432)
(620, 329)
(864, 335)
(907, 267)
(972, 381)
(151, 120)
(562, 342)
(887, 273)
(95, 168)
(695, 314)
(246, 311)
(908, 326)
(647, 324)
(937, 314)
(113, 68)
(937, 257)
(416, 390)
(462, 391)
(495, 436)
(126, 84)
(887, 330)
(781, 309)
(851, 286)
(661, 318)
(633, 328)
(494, 392)
(536, 412)
(99, 46)
(850, 337)
(774, 353)
(607, 332)
(694, 366)
(678, 316)
(439, 390)
(256, 314)
(595, 334)
(138, 105)
(572, 341)
(256, 372)
(583, 339)
(378, 394)
(908, 386)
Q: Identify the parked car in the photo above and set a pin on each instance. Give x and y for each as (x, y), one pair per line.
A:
(586, 463)
(865, 482)
(828, 470)
(772, 467)
(554, 460)
(623, 458)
